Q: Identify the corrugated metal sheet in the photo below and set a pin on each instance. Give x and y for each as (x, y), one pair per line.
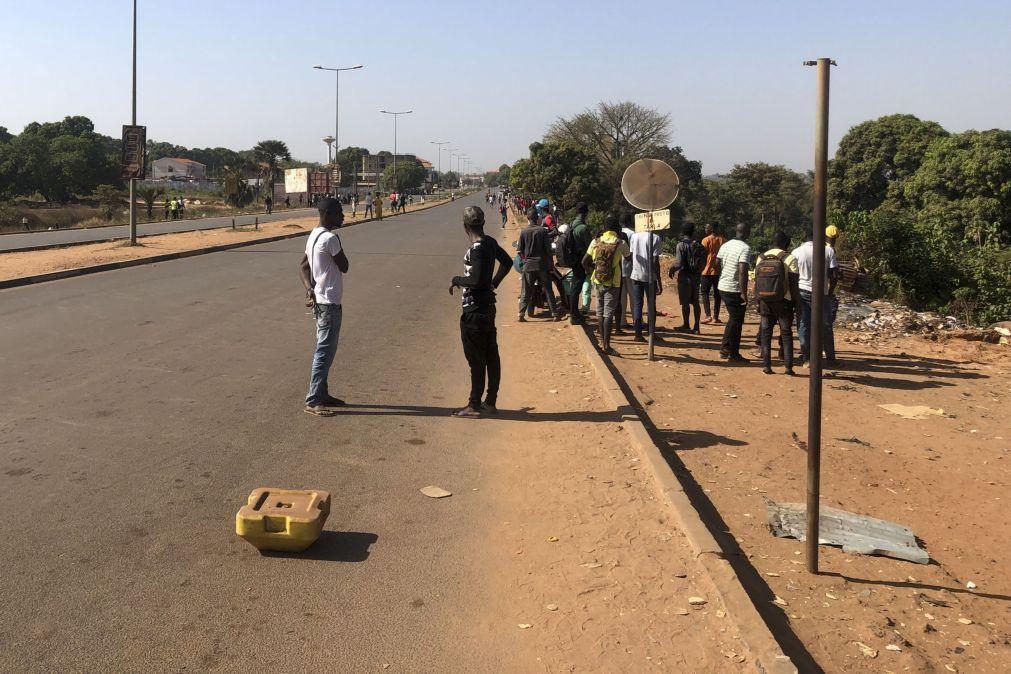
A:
(854, 533)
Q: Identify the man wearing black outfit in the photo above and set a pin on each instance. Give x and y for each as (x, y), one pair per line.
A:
(535, 252)
(477, 323)
(582, 237)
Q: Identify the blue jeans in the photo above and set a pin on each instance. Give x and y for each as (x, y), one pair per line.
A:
(328, 330)
(804, 325)
(640, 297)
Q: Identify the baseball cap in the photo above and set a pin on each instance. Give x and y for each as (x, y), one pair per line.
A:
(831, 231)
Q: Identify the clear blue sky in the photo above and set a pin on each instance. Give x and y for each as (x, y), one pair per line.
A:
(490, 76)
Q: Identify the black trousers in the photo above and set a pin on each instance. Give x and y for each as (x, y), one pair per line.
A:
(578, 278)
(688, 296)
(480, 346)
(782, 313)
(735, 323)
(709, 285)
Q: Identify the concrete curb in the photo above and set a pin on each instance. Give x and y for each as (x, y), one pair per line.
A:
(755, 633)
(136, 262)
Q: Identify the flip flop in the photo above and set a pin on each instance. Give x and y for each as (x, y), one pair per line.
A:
(318, 411)
(467, 413)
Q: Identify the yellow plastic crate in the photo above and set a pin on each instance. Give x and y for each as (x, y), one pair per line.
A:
(288, 520)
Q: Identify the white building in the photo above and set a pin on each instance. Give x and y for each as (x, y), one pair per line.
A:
(176, 168)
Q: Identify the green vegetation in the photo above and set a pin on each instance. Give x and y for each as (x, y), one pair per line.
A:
(926, 212)
(409, 175)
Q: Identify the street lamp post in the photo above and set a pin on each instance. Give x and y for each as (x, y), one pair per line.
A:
(439, 148)
(395, 115)
(336, 123)
(133, 181)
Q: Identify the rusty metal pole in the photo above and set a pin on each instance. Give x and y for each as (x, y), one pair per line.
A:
(817, 313)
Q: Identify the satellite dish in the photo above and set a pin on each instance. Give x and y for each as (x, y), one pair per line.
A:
(650, 184)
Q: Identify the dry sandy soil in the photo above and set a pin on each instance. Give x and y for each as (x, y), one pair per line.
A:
(584, 553)
(728, 432)
(28, 263)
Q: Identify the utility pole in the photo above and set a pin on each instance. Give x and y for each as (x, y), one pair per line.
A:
(337, 108)
(817, 313)
(395, 115)
(133, 121)
(438, 146)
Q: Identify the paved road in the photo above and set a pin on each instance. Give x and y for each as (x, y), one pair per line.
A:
(138, 409)
(59, 237)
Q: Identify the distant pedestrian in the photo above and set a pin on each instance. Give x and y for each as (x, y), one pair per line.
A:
(477, 321)
(322, 270)
(300, 202)
(733, 262)
(535, 253)
(403, 202)
(369, 210)
(689, 261)
(174, 207)
(503, 212)
(602, 263)
(379, 206)
(24, 223)
(776, 286)
(167, 208)
(711, 242)
(182, 208)
(354, 204)
(268, 204)
(393, 203)
(287, 201)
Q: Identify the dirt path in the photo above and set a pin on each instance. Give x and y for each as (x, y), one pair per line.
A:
(729, 431)
(584, 553)
(27, 263)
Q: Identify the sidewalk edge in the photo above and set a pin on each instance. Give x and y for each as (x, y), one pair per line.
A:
(755, 633)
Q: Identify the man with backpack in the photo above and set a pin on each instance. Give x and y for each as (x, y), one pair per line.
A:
(572, 246)
(603, 263)
(535, 252)
(689, 261)
(776, 278)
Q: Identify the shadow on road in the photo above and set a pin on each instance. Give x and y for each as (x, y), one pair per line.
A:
(334, 546)
(522, 414)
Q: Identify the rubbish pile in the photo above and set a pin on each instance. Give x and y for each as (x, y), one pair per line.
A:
(881, 318)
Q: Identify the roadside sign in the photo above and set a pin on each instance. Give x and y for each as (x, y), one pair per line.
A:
(652, 221)
(134, 152)
(296, 180)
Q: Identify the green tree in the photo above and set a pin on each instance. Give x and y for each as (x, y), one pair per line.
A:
(350, 161)
(149, 195)
(110, 198)
(875, 158)
(562, 172)
(613, 131)
(269, 154)
(410, 174)
(236, 190)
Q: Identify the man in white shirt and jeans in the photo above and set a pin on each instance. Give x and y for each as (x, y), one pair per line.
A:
(804, 255)
(322, 269)
(733, 261)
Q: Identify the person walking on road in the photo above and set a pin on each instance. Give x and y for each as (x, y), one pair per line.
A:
(354, 204)
(477, 321)
(581, 239)
(712, 242)
(182, 208)
(805, 264)
(535, 252)
(733, 262)
(502, 211)
(602, 263)
(322, 270)
(369, 211)
(379, 206)
(268, 204)
(689, 261)
(640, 245)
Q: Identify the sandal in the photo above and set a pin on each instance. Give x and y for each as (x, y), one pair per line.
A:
(319, 411)
(467, 413)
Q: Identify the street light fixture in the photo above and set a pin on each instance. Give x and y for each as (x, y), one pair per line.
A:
(438, 146)
(337, 123)
(395, 115)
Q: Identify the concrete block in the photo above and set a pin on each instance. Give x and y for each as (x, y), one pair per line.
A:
(288, 520)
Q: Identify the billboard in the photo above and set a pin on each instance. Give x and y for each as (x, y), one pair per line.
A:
(296, 180)
(133, 161)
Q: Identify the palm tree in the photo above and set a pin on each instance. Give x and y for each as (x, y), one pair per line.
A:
(150, 195)
(270, 154)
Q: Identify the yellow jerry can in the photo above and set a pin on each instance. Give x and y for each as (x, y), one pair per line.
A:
(289, 520)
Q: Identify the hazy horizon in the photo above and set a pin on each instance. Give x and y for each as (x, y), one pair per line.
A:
(491, 79)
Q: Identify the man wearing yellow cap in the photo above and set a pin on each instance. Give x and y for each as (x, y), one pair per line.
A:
(804, 255)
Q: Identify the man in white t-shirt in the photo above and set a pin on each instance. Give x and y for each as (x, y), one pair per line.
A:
(369, 211)
(639, 244)
(804, 254)
(322, 269)
(733, 261)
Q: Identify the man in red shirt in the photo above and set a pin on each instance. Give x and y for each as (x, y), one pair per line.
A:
(712, 242)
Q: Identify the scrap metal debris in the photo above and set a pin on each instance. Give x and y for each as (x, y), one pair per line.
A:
(854, 533)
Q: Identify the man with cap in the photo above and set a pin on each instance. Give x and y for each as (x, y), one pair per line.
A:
(322, 269)
(804, 254)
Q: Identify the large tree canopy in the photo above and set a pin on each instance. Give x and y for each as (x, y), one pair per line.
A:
(410, 174)
(875, 158)
(562, 172)
(613, 131)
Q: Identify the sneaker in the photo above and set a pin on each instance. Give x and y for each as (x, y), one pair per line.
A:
(522, 318)
(737, 358)
(767, 370)
(489, 408)
(558, 317)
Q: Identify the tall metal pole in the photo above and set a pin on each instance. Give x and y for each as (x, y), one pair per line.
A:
(337, 118)
(395, 150)
(817, 314)
(133, 181)
(438, 146)
(651, 292)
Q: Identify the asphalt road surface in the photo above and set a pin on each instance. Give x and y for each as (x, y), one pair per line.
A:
(140, 407)
(61, 237)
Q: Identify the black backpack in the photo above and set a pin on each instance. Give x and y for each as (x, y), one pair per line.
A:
(770, 277)
(565, 250)
(694, 255)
